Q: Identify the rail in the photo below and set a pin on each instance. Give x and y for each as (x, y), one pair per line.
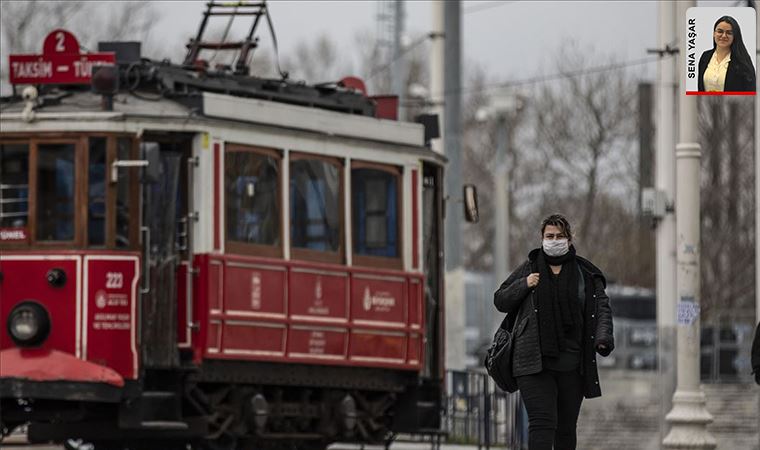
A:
(478, 413)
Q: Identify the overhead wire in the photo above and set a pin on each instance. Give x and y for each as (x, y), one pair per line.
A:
(541, 79)
(485, 6)
(563, 75)
(406, 50)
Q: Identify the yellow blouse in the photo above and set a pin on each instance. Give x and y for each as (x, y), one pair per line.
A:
(715, 74)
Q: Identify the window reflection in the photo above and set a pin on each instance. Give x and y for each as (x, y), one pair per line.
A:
(96, 195)
(55, 192)
(14, 185)
(123, 188)
(375, 212)
(315, 205)
(251, 197)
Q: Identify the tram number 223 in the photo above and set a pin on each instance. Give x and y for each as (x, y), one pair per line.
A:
(114, 280)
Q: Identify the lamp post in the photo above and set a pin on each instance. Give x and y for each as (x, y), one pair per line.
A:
(689, 416)
(665, 182)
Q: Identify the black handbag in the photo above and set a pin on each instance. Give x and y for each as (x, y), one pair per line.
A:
(498, 359)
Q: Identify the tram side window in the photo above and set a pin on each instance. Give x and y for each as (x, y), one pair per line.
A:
(55, 192)
(375, 212)
(315, 205)
(251, 197)
(14, 185)
(96, 195)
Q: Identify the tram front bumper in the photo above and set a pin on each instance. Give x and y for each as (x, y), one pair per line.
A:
(55, 375)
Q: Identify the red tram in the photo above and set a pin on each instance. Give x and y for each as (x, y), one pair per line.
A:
(205, 257)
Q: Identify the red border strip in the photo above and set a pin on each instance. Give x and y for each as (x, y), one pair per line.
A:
(719, 93)
(217, 209)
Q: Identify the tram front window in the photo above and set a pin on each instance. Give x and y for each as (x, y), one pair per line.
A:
(251, 190)
(315, 204)
(96, 209)
(55, 192)
(14, 185)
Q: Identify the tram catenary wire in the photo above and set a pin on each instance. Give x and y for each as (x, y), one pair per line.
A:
(525, 81)
(546, 78)
(484, 6)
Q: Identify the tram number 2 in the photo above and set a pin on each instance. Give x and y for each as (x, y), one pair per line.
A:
(114, 280)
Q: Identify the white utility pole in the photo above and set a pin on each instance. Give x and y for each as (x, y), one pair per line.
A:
(689, 416)
(665, 185)
(501, 266)
(399, 60)
(505, 111)
(437, 48)
(445, 95)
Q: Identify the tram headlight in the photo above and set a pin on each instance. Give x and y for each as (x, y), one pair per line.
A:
(28, 324)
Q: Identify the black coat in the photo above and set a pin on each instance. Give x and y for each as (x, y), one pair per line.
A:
(513, 297)
(736, 80)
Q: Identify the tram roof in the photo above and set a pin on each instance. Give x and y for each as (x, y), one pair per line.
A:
(214, 110)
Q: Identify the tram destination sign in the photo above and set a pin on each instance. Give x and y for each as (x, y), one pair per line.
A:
(60, 62)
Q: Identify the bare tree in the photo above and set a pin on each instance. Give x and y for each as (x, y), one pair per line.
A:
(315, 61)
(727, 203)
(25, 23)
(479, 146)
(586, 131)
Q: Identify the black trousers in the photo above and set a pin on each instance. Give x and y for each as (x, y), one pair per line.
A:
(553, 401)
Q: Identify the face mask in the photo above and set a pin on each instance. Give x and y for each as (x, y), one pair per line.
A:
(557, 247)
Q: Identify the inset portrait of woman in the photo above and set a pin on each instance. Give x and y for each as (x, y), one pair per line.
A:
(727, 67)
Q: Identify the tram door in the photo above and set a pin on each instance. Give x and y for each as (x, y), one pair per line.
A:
(166, 245)
(433, 265)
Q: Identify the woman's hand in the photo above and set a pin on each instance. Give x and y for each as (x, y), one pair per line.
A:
(603, 349)
(533, 280)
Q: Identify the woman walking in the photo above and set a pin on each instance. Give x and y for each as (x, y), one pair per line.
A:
(567, 320)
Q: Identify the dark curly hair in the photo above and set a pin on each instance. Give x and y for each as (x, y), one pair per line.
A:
(559, 221)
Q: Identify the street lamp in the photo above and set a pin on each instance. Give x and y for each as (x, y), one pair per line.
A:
(505, 111)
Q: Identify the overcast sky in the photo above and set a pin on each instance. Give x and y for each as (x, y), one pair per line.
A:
(508, 39)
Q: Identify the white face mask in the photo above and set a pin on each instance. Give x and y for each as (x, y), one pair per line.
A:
(556, 247)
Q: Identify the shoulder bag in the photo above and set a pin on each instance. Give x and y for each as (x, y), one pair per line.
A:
(498, 359)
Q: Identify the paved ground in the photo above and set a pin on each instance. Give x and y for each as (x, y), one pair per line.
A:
(397, 446)
(19, 443)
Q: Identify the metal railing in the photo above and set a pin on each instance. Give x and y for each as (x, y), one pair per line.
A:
(477, 412)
